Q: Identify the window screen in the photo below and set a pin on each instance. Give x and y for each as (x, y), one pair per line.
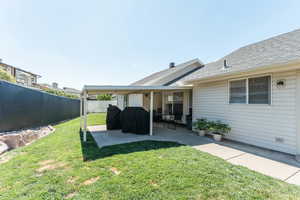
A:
(238, 91)
(260, 90)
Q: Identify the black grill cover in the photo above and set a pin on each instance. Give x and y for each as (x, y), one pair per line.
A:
(135, 120)
(113, 118)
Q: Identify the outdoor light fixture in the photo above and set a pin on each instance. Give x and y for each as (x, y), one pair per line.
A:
(280, 83)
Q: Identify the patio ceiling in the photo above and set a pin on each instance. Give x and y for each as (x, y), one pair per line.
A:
(100, 89)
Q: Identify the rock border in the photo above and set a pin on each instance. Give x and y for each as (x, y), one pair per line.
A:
(15, 139)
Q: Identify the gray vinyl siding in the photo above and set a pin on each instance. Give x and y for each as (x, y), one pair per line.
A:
(254, 124)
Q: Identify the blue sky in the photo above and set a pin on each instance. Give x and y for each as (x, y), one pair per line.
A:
(119, 41)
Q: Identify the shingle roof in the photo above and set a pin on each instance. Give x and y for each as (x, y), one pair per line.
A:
(165, 77)
(280, 49)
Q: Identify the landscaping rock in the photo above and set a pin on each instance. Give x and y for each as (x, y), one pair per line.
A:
(29, 137)
(20, 138)
(13, 140)
(3, 147)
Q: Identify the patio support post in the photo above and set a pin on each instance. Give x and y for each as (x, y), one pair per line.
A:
(298, 116)
(80, 113)
(85, 115)
(151, 113)
(162, 103)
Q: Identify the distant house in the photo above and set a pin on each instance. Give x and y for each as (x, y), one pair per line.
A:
(22, 77)
(54, 86)
(72, 91)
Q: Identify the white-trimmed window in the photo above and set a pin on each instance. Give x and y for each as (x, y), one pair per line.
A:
(259, 90)
(238, 91)
(255, 90)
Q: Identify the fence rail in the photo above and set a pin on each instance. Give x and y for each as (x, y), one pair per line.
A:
(22, 107)
(99, 106)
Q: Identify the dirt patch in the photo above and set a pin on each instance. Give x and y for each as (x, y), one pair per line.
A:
(71, 195)
(72, 180)
(39, 175)
(91, 181)
(46, 162)
(153, 183)
(5, 158)
(115, 171)
(2, 189)
(9, 155)
(51, 166)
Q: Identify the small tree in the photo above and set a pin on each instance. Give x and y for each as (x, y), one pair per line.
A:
(6, 76)
(104, 97)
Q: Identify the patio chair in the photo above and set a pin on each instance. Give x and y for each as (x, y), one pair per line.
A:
(170, 121)
(177, 117)
(157, 117)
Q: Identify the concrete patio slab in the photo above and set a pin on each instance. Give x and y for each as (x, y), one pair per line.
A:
(97, 128)
(295, 179)
(219, 150)
(117, 137)
(114, 137)
(265, 166)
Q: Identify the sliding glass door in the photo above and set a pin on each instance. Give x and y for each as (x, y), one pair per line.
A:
(174, 104)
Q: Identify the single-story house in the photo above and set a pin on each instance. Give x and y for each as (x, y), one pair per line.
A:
(255, 89)
(165, 102)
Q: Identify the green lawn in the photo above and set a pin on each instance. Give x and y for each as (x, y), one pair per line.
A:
(59, 166)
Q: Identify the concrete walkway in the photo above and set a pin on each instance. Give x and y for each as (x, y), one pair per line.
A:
(278, 165)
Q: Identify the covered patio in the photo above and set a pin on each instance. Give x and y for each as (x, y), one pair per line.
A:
(148, 91)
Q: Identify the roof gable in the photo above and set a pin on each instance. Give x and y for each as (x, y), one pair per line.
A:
(170, 75)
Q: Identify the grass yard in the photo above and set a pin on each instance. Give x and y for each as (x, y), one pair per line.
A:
(59, 166)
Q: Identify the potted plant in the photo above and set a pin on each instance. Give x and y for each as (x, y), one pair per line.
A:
(201, 125)
(219, 129)
(211, 127)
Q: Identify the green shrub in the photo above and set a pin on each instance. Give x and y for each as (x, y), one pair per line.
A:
(218, 127)
(224, 128)
(201, 124)
(6, 76)
(104, 97)
(60, 93)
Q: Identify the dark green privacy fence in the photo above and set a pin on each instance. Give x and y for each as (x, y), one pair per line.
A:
(22, 107)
